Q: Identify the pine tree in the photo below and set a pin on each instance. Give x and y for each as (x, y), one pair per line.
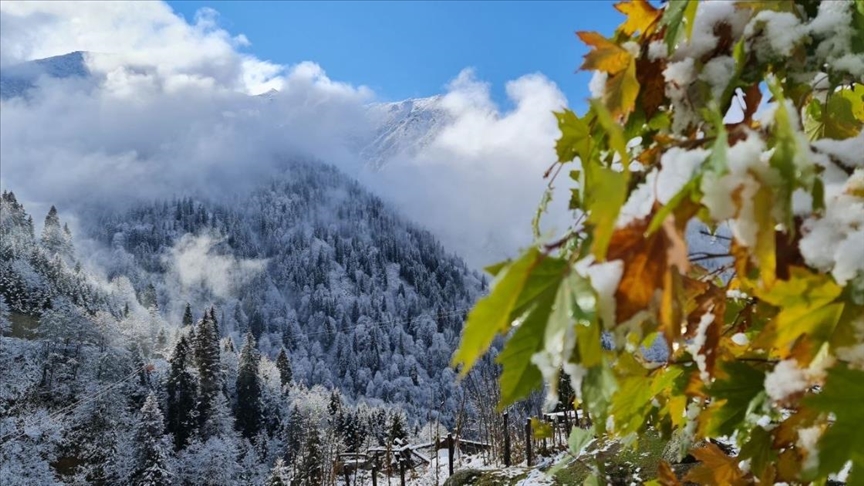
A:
(397, 427)
(248, 409)
(294, 434)
(187, 316)
(279, 475)
(182, 391)
(310, 470)
(54, 239)
(335, 405)
(283, 364)
(209, 366)
(151, 453)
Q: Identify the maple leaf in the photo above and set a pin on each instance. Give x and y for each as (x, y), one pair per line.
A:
(646, 260)
(605, 56)
(641, 17)
(649, 74)
(808, 304)
(666, 476)
(715, 468)
(621, 91)
(842, 396)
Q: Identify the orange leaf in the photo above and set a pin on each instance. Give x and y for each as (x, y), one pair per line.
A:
(646, 260)
(666, 476)
(641, 16)
(652, 84)
(605, 56)
(715, 468)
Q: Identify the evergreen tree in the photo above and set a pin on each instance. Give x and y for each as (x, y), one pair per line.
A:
(248, 409)
(54, 239)
(182, 391)
(151, 448)
(283, 364)
(187, 316)
(148, 297)
(279, 475)
(310, 471)
(294, 434)
(397, 427)
(335, 405)
(256, 325)
(209, 366)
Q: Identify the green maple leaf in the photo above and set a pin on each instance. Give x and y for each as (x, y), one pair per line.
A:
(736, 395)
(842, 396)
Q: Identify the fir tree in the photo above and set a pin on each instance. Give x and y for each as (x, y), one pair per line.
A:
(279, 475)
(54, 239)
(248, 409)
(310, 470)
(182, 396)
(397, 427)
(187, 316)
(209, 366)
(294, 434)
(283, 364)
(335, 405)
(151, 453)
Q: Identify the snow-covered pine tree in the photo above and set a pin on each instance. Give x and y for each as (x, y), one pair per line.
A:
(283, 364)
(209, 368)
(152, 453)
(279, 475)
(182, 391)
(248, 409)
(187, 316)
(311, 471)
(54, 239)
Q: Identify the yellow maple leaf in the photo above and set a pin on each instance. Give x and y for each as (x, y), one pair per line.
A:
(641, 17)
(605, 56)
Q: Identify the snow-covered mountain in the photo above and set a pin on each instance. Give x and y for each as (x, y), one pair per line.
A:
(403, 128)
(19, 79)
(399, 129)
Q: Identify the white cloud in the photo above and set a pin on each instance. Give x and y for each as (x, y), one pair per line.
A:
(170, 114)
(195, 263)
(478, 184)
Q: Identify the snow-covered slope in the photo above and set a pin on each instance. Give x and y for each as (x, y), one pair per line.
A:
(18, 80)
(403, 128)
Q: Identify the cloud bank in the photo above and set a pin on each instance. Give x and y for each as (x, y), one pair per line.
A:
(169, 111)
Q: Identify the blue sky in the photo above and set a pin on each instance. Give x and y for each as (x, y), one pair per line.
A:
(412, 48)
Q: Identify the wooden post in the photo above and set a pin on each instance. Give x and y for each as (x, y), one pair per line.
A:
(450, 452)
(346, 473)
(402, 468)
(506, 439)
(528, 454)
(375, 473)
(545, 445)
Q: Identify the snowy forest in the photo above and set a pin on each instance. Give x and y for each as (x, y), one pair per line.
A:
(229, 343)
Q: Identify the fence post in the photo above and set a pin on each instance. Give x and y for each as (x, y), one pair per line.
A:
(528, 452)
(375, 473)
(506, 439)
(402, 468)
(347, 475)
(450, 451)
